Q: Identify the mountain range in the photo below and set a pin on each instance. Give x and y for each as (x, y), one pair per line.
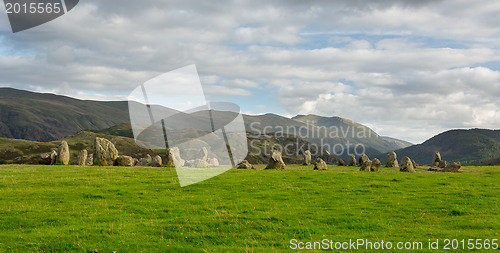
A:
(38, 120)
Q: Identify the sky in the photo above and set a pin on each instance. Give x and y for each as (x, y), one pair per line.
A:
(407, 69)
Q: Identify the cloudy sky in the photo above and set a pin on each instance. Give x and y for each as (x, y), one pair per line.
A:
(407, 69)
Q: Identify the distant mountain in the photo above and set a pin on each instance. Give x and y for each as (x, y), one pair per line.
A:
(48, 117)
(470, 147)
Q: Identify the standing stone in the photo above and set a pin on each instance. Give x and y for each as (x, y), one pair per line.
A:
(436, 160)
(406, 165)
(244, 165)
(82, 158)
(124, 160)
(341, 162)
(170, 158)
(105, 152)
(63, 154)
(307, 157)
(375, 165)
(90, 159)
(204, 154)
(145, 161)
(213, 162)
(363, 158)
(392, 160)
(366, 166)
(48, 158)
(156, 161)
(352, 161)
(320, 164)
(276, 161)
(176, 154)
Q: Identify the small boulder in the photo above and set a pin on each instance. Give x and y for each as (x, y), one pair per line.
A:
(406, 165)
(276, 161)
(307, 157)
(352, 161)
(145, 161)
(392, 160)
(366, 166)
(82, 158)
(363, 158)
(156, 161)
(105, 152)
(375, 166)
(48, 158)
(442, 164)
(124, 160)
(244, 165)
(452, 167)
(198, 163)
(63, 154)
(213, 162)
(320, 164)
(341, 162)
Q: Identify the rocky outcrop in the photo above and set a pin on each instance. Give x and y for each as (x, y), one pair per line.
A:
(392, 160)
(276, 161)
(63, 154)
(406, 165)
(82, 158)
(124, 160)
(307, 157)
(320, 164)
(105, 153)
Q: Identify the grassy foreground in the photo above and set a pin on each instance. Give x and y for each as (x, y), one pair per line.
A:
(77, 209)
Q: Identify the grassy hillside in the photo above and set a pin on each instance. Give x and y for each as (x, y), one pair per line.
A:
(48, 117)
(470, 147)
(78, 209)
(28, 152)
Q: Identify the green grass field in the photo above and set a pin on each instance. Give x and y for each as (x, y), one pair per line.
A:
(78, 209)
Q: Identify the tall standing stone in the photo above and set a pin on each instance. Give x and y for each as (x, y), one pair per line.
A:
(90, 159)
(392, 160)
(169, 159)
(436, 160)
(105, 153)
(204, 154)
(63, 154)
(82, 158)
(276, 161)
(406, 165)
(352, 161)
(307, 157)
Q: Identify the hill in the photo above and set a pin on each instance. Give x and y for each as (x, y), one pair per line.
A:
(470, 147)
(48, 117)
